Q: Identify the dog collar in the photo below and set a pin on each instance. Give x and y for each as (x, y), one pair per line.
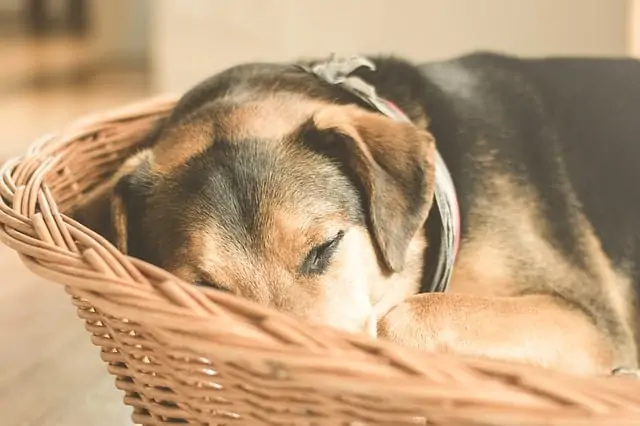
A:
(339, 72)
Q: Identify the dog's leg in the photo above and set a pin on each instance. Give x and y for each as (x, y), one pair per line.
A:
(536, 329)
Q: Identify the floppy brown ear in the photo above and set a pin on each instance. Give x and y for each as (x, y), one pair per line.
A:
(131, 185)
(393, 162)
(119, 223)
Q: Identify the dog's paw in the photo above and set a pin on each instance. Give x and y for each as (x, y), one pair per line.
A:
(411, 324)
(626, 372)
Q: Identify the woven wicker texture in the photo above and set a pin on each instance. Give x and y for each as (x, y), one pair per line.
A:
(187, 355)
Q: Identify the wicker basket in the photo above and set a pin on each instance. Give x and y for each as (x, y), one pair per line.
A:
(188, 355)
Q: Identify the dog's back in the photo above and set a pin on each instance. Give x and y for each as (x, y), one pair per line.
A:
(598, 139)
(568, 127)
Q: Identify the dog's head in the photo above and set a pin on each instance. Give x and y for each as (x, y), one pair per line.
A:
(264, 184)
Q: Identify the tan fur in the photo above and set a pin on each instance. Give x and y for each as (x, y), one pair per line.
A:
(180, 143)
(508, 250)
(500, 302)
(355, 288)
(384, 155)
(532, 329)
(270, 118)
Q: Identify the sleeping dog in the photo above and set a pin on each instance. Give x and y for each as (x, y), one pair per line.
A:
(485, 205)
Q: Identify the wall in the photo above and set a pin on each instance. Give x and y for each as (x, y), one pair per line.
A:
(193, 38)
(10, 6)
(633, 28)
(120, 30)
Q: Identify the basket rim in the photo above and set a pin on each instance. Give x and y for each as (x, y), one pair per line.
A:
(48, 239)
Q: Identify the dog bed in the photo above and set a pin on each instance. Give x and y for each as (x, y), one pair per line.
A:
(188, 355)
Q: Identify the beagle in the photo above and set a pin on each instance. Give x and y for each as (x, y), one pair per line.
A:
(485, 205)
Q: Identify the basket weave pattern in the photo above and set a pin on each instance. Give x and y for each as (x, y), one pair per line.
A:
(187, 355)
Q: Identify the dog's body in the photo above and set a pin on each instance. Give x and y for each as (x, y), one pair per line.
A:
(274, 185)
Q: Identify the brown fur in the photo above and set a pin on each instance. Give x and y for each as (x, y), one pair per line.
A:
(492, 265)
(513, 295)
(271, 118)
(268, 275)
(375, 161)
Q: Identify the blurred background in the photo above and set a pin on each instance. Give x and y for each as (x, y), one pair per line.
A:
(63, 58)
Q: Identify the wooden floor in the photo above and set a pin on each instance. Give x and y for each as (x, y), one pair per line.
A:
(50, 373)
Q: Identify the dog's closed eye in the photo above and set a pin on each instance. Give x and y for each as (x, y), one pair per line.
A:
(210, 284)
(319, 258)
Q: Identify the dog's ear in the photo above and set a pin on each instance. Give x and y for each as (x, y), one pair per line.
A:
(119, 222)
(133, 183)
(392, 162)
